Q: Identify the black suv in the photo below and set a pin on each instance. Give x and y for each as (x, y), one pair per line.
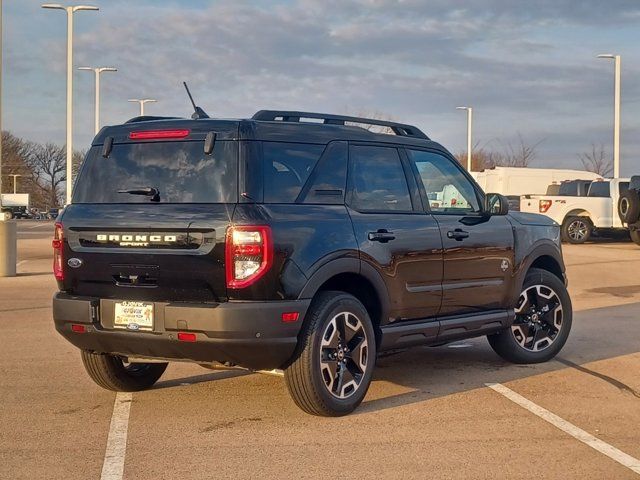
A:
(296, 241)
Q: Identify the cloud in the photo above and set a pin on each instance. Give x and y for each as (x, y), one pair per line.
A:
(526, 67)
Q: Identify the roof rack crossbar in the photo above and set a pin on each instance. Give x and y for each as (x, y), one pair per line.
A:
(399, 129)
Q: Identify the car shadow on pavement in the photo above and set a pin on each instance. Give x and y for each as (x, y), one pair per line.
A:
(207, 377)
(432, 372)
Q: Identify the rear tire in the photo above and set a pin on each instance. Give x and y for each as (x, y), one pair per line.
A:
(111, 373)
(542, 324)
(576, 230)
(629, 206)
(336, 355)
(635, 236)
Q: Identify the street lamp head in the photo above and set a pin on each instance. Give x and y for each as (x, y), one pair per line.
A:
(85, 68)
(53, 5)
(108, 69)
(84, 7)
(606, 55)
(463, 108)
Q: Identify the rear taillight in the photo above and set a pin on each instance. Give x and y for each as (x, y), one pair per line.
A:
(248, 255)
(544, 205)
(57, 244)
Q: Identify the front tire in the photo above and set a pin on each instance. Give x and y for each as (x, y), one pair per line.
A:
(576, 230)
(542, 324)
(337, 351)
(111, 373)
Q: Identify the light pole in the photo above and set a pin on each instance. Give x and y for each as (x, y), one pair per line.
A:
(15, 177)
(1, 106)
(616, 111)
(70, 11)
(97, 71)
(142, 101)
(469, 131)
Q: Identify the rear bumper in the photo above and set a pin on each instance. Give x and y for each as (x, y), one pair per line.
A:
(250, 334)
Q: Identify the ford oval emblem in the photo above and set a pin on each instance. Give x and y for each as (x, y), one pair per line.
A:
(133, 326)
(74, 262)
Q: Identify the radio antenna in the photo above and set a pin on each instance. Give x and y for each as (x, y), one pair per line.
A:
(197, 111)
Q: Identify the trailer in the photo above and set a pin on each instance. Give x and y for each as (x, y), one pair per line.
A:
(512, 182)
(16, 204)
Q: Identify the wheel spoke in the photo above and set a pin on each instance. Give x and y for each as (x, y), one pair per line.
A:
(348, 381)
(358, 353)
(329, 373)
(331, 336)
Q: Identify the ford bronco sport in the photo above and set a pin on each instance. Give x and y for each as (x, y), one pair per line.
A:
(295, 241)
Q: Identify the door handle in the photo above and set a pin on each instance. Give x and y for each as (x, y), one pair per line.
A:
(457, 234)
(382, 236)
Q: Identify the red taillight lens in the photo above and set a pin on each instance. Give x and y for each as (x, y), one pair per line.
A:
(78, 328)
(155, 134)
(187, 337)
(248, 254)
(57, 244)
(544, 205)
(290, 317)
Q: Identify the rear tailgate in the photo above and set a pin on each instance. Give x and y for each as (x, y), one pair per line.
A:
(149, 252)
(148, 221)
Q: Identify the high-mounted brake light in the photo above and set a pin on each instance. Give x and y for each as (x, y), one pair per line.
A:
(248, 254)
(58, 244)
(544, 205)
(156, 134)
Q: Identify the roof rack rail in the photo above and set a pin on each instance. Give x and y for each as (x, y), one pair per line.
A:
(146, 118)
(400, 129)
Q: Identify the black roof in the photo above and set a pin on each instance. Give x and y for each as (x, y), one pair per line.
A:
(275, 125)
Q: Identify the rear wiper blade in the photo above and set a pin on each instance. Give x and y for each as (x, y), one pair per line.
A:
(152, 192)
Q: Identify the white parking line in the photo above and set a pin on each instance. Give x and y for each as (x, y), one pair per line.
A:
(113, 466)
(40, 225)
(21, 262)
(610, 451)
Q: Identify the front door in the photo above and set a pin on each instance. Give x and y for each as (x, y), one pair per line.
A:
(394, 234)
(478, 249)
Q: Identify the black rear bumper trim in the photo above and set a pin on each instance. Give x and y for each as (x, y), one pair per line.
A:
(249, 334)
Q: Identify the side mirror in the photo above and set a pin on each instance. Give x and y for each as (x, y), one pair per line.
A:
(496, 204)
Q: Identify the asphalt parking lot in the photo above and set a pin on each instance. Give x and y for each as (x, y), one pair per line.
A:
(428, 414)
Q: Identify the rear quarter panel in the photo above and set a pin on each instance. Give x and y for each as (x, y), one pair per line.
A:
(305, 237)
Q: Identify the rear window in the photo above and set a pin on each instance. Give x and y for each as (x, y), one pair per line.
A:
(180, 171)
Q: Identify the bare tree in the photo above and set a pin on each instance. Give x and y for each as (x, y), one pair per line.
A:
(520, 155)
(596, 161)
(48, 165)
(373, 115)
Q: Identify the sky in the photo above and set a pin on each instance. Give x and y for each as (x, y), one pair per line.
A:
(528, 68)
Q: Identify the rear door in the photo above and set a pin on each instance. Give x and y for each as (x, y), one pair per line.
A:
(394, 234)
(165, 247)
(478, 250)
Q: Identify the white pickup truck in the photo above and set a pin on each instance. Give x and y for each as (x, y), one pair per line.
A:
(581, 216)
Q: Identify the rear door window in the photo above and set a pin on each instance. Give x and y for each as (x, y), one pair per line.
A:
(180, 171)
(287, 167)
(377, 180)
(599, 189)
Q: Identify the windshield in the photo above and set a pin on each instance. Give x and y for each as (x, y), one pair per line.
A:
(179, 172)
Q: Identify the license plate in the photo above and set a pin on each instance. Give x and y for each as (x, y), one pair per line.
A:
(134, 316)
